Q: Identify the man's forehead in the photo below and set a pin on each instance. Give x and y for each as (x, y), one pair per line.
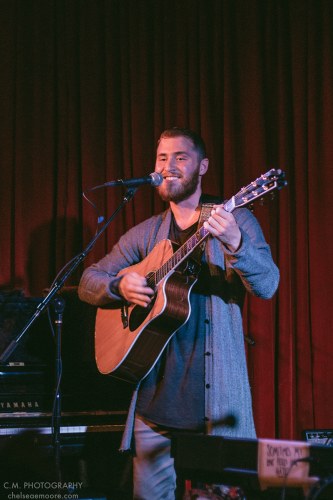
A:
(175, 144)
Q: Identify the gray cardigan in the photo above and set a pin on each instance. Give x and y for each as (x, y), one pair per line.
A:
(250, 269)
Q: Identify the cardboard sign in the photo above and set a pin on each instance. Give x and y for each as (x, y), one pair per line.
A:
(284, 464)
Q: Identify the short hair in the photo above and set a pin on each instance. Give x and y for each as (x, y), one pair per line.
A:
(195, 138)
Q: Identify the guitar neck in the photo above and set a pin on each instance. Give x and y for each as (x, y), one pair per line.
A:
(181, 254)
(186, 249)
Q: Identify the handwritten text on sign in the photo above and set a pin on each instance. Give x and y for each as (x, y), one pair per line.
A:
(279, 465)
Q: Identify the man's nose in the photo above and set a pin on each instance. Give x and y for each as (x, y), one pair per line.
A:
(170, 163)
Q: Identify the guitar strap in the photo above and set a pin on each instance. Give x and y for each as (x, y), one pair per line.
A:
(205, 212)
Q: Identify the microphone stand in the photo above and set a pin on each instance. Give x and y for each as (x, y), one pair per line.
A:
(58, 284)
(59, 306)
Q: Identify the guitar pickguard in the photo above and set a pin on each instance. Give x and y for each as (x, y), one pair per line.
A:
(139, 315)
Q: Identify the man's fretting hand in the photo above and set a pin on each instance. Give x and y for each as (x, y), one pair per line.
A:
(222, 225)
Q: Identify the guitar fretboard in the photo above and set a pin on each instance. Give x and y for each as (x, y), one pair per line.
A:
(180, 255)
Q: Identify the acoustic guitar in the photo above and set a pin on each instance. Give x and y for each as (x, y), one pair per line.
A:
(130, 339)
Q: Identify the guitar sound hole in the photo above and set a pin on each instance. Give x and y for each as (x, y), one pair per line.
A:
(138, 316)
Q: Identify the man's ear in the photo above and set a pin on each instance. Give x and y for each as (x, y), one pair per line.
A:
(203, 166)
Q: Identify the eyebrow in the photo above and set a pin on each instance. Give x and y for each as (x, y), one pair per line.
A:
(175, 153)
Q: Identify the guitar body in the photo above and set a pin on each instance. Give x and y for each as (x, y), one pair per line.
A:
(130, 351)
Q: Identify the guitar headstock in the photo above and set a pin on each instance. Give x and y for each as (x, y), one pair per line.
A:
(266, 183)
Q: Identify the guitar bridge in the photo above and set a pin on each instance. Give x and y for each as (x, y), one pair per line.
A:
(124, 314)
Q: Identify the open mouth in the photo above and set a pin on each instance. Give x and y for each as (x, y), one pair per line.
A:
(171, 177)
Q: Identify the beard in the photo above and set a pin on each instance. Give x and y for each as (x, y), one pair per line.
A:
(179, 191)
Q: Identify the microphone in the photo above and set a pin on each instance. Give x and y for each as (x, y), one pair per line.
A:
(154, 179)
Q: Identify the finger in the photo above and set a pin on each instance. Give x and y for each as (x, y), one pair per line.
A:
(219, 211)
(215, 222)
(139, 299)
(138, 281)
(143, 290)
(140, 284)
(219, 208)
(212, 229)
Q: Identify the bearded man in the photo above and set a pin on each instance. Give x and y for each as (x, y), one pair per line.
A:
(201, 375)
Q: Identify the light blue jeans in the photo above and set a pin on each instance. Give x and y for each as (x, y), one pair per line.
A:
(153, 467)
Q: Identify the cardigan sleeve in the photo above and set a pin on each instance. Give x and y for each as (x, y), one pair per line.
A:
(98, 284)
(253, 260)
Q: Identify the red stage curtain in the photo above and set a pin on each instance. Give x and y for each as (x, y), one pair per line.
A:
(85, 89)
